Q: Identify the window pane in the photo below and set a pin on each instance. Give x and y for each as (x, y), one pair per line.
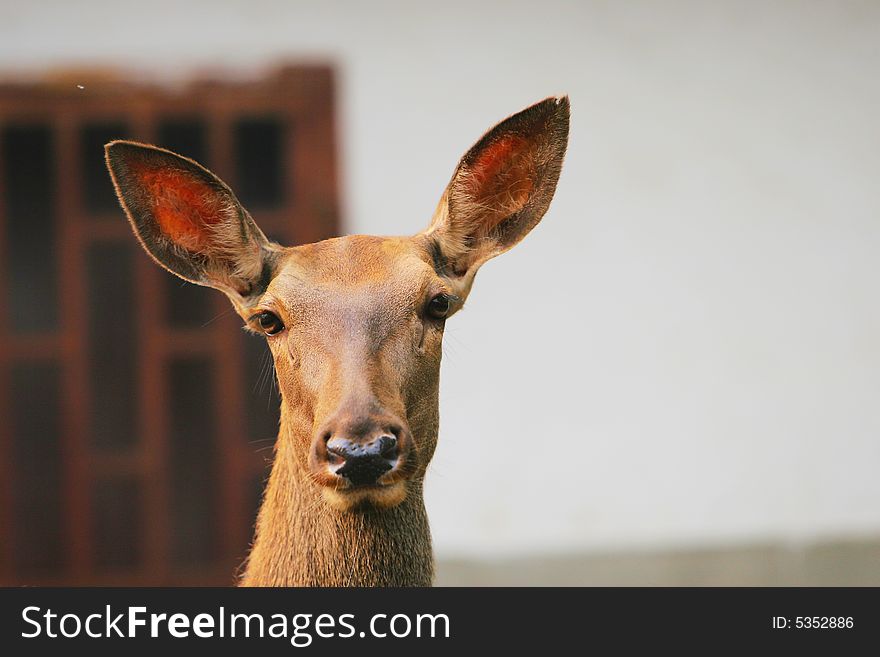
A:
(118, 520)
(262, 403)
(37, 471)
(255, 488)
(187, 305)
(193, 461)
(98, 194)
(186, 136)
(29, 184)
(112, 345)
(259, 159)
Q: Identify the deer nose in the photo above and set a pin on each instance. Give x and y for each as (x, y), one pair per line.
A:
(362, 463)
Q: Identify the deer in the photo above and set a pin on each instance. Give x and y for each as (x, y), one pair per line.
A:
(355, 327)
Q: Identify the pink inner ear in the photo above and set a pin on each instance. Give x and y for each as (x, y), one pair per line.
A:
(501, 177)
(496, 154)
(184, 207)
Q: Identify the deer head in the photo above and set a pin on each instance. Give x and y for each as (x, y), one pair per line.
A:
(355, 323)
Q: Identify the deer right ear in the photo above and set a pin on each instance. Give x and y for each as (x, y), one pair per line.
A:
(189, 220)
(501, 188)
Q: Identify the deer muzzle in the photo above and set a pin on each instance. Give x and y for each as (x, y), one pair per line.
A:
(362, 458)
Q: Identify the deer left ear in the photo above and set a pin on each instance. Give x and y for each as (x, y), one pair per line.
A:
(502, 187)
(189, 220)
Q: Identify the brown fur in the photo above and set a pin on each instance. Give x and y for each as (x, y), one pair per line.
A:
(358, 345)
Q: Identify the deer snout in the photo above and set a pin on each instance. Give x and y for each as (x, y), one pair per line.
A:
(367, 452)
(362, 463)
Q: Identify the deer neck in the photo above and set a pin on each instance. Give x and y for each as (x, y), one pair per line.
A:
(302, 541)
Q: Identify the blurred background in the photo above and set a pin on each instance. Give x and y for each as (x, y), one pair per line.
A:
(689, 339)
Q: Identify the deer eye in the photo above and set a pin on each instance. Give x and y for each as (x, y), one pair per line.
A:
(269, 322)
(439, 306)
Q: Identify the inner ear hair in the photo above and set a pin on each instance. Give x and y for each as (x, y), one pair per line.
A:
(503, 185)
(189, 220)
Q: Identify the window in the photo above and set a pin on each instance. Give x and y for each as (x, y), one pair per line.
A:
(136, 417)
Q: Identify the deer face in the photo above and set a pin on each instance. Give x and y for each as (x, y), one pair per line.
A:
(355, 327)
(355, 324)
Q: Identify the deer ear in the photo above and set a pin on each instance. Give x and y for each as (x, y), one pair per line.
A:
(189, 221)
(502, 187)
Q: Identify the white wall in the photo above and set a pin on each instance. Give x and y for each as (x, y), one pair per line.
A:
(687, 349)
